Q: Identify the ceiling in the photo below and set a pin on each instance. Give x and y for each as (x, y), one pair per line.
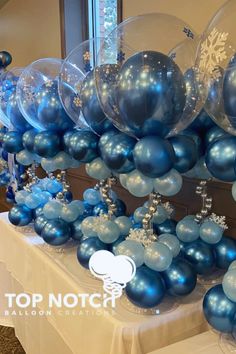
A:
(3, 2)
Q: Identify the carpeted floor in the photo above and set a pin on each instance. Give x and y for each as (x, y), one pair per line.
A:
(9, 344)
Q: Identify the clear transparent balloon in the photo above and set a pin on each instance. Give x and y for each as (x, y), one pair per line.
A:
(146, 76)
(216, 59)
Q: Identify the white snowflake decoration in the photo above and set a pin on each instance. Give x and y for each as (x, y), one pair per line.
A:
(141, 236)
(219, 220)
(213, 52)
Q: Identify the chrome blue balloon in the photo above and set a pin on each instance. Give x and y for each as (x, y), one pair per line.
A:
(66, 140)
(167, 227)
(87, 248)
(117, 153)
(153, 156)
(28, 139)
(187, 229)
(210, 232)
(92, 196)
(5, 59)
(83, 146)
(196, 138)
(56, 232)
(12, 142)
(16, 118)
(186, 153)
(88, 209)
(120, 208)
(47, 144)
(220, 159)
(219, 311)
(20, 215)
(225, 252)
(105, 137)
(202, 123)
(38, 211)
(214, 134)
(76, 232)
(200, 255)
(150, 88)
(39, 224)
(180, 278)
(146, 289)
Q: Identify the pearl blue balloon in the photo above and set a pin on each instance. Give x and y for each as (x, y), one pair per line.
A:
(225, 252)
(167, 227)
(220, 159)
(202, 123)
(21, 196)
(92, 196)
(56, 232)
(83, 146)
(125, 224)
(117, 153)
(180, 278)
(25, 158)
(153, 156)
(158, 256)
(214, 134)
(39, 224)
(12, 142)
(187, 230)
(87, 248)
(160, 215)
(100, 208)
(89, 226)
(138, 184)
(16, 118)
(47, 144)
(151, 89)
(20, 215)
(139, 214)
(219, 311)
(132, 249)
(169, 184)
(210, 232)
(146, 289)
(50, 113)
(79, 205)
(97, 169)
(186, 153)
(172, 242)
(200, 255)
(76, 232)
(28, 139)
(52, 209)
(108, 231)
(69, 212)
(229, 284)
(33, 200)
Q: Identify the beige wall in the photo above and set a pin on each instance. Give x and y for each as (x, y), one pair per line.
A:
(30, 29)
(196, 13)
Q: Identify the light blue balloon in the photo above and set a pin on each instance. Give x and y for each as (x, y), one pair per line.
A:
(52, 210)
(36, 188)
(232, 265)
(123, 180)
(69, 213)
(139, 214)
(158, 256)
(138, 184)
(48, 164)
(79, 205)
(53, 186)
(229, 284)
(132, 249)
(199, 171)
(125, 224)
(21, 196)
(97, 169)
(37, 158)
(44, 197)
(33, 200)
(25, 158)
(92, 196)
(62, 161)
(89, 226)
(169, 184)
(74, 163)
(234, 190)
(187, 230)
(172, 242)
(210, 232)
(160, 215)
(108, 231)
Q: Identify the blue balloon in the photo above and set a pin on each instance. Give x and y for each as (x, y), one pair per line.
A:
(21, 196)
(180, 278)
(220, 159)
(92, 196)
(214, 134)
(153, 156)
(219, 311)
(53, 186)
(187, 229)
(146, 289)
(202, 123)
(66, 140)
(56, 232)
(47, 144)
(38, 211)
(200, 255)
(196, 138)
(88, 209)
(167, 227)
(117, 153)
(16, 118)
(169, 184)
(104, 138)
(186, 153)
(225, 252)
(211, 232)
(12, 142)
(100, 208)
(76, 232)
(20, 215)
(39, 224)
(120, 208)
(28, 139)
(83, 146)
(146, 94)
(87, 248)
(33, 200)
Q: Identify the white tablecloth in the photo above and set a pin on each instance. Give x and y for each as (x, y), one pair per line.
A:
(37, 268)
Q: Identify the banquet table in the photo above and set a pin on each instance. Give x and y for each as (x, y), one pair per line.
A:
(30, 266)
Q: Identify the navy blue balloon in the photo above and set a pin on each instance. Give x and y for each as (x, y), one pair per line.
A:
(87, 248)
(219, 311)
(202, 123)
(151, 88)
(5, 59)
(20, 215)
(117, 153)
(28, 139)
(69, 196)
(12, 142)
(4, 155)
(196, 138)
(84, 146)
(225, 252)
(180, 278)
(50, 112)
(47, 144)
(167, 227)
(229, 91)
(146, 289)
(88, 209)
(39, 224)
(186, 153)
(220, 159)
(16, 118)
(153, 156)
(76, 232)
(120, 208)
(214, 134)
(56, 232)
(200, 255)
